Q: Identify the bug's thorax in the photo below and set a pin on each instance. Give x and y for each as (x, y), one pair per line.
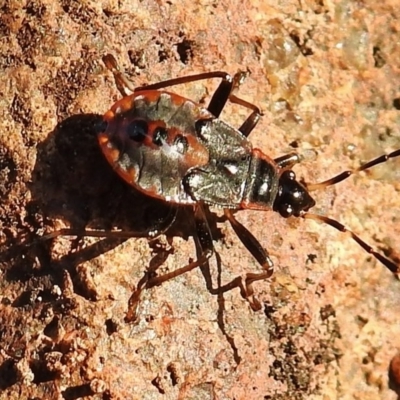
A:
(261, 183)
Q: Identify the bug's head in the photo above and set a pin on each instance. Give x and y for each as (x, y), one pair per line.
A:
(293, 198)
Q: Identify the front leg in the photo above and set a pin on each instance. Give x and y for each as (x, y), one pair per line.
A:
(288, 160)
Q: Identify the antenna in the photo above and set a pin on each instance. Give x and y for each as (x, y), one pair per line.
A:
(394, 268)
(346, 174)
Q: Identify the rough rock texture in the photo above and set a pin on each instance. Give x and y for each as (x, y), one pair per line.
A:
(327, 75)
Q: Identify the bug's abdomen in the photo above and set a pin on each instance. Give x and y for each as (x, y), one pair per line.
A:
(149, 139)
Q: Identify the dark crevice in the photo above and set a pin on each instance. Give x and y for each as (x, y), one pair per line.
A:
(185, 50)
(378, 57)
(305, 50)
(396, 103)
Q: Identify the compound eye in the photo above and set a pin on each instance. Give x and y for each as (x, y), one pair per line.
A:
(286, 210)
(137, 130)
(290, 175)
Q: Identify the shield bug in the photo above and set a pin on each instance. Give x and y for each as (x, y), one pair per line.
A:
(177, 151)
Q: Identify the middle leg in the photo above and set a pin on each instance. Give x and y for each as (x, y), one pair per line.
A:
(225, 92)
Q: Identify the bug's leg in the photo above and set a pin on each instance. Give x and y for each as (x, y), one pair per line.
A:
(250, 242)
(252, 120)
(259, 253)
(121, 79)
(288, 160)
(160, 226)
(225, 92)
(226, 80)
(218, 101)
(207, 249)
(250, 123)
(134, 300)
(157, 231)
(95, 233)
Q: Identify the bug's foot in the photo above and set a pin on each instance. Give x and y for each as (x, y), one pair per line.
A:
(133, 306)
(134, 300)
(247, 290)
